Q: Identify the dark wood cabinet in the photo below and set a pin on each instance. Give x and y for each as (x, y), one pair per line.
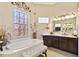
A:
(54, 42)
(73, 46)
(47, 42)
(63, 43)
(68, 44)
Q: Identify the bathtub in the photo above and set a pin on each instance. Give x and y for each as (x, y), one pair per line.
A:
(23, 48)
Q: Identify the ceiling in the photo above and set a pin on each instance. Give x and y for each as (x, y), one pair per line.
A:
(44, 3)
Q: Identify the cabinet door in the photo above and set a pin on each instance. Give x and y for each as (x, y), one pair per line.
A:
(49, 41)
(73, 46)
(45, 40)
(63, 43)
(55, 42)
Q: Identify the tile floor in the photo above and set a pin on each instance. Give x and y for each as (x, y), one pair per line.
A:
(52, 52)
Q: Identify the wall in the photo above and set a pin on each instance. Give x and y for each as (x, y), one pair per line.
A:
(41, 11)
(77, 27)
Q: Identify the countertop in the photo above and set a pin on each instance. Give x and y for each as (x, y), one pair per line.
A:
(62, 35)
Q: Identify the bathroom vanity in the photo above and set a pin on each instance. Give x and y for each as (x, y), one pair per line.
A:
(67, 43)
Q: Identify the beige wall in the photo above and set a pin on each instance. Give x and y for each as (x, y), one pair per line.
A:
(6, 14)
(41, 11)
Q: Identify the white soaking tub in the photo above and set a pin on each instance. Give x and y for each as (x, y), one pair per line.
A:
(23, 48)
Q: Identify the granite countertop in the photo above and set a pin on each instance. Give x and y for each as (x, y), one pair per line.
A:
(62, 35)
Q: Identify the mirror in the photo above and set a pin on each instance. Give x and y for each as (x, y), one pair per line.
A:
(67, 26)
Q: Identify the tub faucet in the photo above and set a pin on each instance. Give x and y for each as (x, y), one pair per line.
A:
(1, 43)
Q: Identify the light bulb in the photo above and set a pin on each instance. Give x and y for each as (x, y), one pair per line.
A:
(62, 18)
(66, 17)
(59, 18)
(72, 16)
(55, 19)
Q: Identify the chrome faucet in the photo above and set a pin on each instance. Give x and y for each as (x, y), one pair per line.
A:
(1, 44)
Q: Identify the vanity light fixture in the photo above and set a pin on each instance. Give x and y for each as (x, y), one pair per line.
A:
(66, 16)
